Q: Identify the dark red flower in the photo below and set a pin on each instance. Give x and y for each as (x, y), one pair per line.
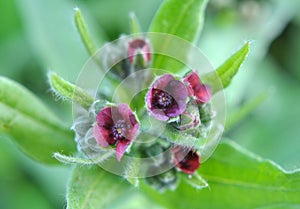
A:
(186, 160)
(116, 126)
(166, 98)
(139, 46)
(196, 88)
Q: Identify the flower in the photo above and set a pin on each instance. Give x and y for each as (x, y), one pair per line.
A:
(116, 125)
(196, 88)
(139, 47)
(188, 161)
(166, 98)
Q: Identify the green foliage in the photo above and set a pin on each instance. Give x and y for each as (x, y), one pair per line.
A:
(95, 188)
(225, 73)
(84, 34)
(134, 24)
(237, 179)
(180, 18)
(31, 124)
(183, 19)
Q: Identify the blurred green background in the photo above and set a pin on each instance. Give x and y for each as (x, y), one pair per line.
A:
(38, 36)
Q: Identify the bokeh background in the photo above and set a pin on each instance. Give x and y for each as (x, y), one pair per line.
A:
(39, 36)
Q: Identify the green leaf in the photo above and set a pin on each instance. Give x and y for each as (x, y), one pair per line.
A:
(183, 19)
(195, 180)
(92, 187)
(224, 74)
(84, 34)
(237, 179)
(69, 91)
(31, 124)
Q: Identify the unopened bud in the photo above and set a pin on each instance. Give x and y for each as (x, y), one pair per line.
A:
(139, 53)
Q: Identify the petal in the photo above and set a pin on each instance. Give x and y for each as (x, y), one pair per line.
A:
(159, 114)
(196, 88)
(182, 106)
(132, 133)
(193, 79)
(162, 82)
(130, 120)
(191, 163)
(176, 109)
(188, 161)
(202, 93)
(133, 120)
(99, 137)
(124, 111)
(115, 114)
(138, 46)
(149, 98)
(177, 90)
(173, 111)
(120, 149)
(104, 117)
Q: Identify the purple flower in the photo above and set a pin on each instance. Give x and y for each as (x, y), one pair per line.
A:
(166, 98)
(138, 46)
(196, 88)
(188, 161)
(116, 126)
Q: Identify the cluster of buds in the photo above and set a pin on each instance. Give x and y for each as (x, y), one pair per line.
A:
(182, 103)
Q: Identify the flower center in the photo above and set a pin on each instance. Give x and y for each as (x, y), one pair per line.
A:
(118, 130)
(162, 99)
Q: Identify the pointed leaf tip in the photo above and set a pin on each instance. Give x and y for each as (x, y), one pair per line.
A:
(134, 24)
(222, 77)
(231, 66)
(69, 91)
(83, 32)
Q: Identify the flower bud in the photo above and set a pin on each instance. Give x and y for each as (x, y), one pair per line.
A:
(114, 58)
(196, 89)
(138, 53)
(206, 114)
(188, 161)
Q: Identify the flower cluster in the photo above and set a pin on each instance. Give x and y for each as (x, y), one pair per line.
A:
(179, 102)
(166, 99)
